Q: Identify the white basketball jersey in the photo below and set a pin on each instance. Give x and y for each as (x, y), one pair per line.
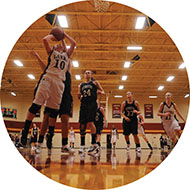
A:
(72, 134)
(57, 64)
(170, 109)
(113, 132)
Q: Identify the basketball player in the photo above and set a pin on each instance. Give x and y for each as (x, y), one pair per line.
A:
(141, 130)
(64, 112)
(168, 110)
(114, 136)
(129, 111)
(100, 122)
(87, 93)
(51, 86)
(72, 137)
(34, 135)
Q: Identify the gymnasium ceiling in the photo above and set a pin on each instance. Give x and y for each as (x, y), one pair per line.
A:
(102, 39)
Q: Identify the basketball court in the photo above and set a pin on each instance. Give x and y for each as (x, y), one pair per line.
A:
(112, 168)
(122, 57)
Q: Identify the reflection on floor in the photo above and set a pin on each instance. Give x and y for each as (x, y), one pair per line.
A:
(113, 168)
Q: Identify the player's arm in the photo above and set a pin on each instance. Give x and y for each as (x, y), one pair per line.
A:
(138, 108)
(122, 112)
(46, 40)
(160, 111)
(142, 119)
(99, 87)
(32, 133)
(178, 113)
(103, 113)
(36, 55)
(79, 91)
(73, 44)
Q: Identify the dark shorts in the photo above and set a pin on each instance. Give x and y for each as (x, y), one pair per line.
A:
(99, 128)
(130, 127)
(87, 112)
(65, 108)
(34, 139)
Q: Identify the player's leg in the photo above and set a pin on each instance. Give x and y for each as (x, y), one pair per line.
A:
(126, 133)
(143, 135)
(94, 147)
(30, 115)
(64, 129)
(82, 137)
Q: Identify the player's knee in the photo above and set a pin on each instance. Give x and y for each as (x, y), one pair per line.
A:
(52, 112)
(34, 108)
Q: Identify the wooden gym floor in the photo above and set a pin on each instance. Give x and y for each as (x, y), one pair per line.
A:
(111, 169)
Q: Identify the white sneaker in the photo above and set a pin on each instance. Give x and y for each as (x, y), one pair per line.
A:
(94, 149)
(67, 149)
(82, 149)
(138, 149)
(39, 148)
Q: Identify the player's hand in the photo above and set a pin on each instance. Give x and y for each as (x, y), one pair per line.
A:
(168, 114)
(127, 119)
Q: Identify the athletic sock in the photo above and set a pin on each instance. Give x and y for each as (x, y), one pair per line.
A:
(41, 139)
(149, 145)
(26, 128)
(98, 143)
(138, 145)
(51, 130)
(128, 142)
(93, 139)
(64, 141)
(82, 140)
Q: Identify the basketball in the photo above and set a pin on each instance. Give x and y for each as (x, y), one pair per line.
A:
(58, 33)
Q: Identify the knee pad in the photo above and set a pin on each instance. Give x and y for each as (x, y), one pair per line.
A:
(83, 129)
(34, 108)
(52, 112)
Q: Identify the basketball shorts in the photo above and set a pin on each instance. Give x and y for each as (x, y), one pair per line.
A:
(87, 112)
(34, 139)
(49, 92)
(170, 126)
(130, 127)
(99, 128)
(72, 139)
(66, 106)
(113, 139)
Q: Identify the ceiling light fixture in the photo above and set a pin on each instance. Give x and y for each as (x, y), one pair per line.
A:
(170, 78)
(31, 76)
(18, 63)
(134, 48)
(140, 23)
(62, 21)
(160, 87)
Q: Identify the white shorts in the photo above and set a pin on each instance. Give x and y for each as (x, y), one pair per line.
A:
(49, 92)
(113, 139)
(141, 130)
(72, 139)
(170, 126)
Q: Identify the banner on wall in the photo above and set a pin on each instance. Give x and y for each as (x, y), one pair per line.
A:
(9, 112)
(148, 111)
(116, 109)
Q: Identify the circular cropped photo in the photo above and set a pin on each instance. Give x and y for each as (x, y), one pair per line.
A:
(95, 94)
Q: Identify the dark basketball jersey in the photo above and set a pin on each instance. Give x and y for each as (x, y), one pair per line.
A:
(128, 110)
(99, 120)
(67, 92)
(88, 92)
(35, 131)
